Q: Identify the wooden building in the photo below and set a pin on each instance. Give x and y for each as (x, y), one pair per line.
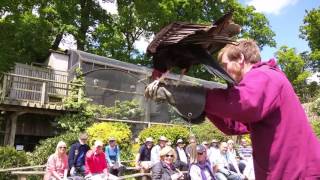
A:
(39, 89)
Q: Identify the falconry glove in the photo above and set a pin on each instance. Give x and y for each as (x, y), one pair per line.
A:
(188, 101)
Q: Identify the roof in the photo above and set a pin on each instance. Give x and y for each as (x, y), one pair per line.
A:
(88, 57)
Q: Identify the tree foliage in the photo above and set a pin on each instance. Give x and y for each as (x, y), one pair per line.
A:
(120, 131)
(24, 36)
(310, 31)
(206, 131)
(295, 68)
(32, 27)
(172, 133)
(48, 146)
(9, 157)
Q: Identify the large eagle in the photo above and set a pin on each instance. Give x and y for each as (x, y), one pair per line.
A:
(183, 44)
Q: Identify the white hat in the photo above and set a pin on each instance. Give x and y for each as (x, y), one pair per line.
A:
(179, 141)
(162, 138)
(204, 143)
(214, 141)
(98, 143)
(149, 139)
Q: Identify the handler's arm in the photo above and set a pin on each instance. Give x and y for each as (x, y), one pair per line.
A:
(228, 126)
(251, 101)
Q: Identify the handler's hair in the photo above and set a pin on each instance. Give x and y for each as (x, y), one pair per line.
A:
(247, 47)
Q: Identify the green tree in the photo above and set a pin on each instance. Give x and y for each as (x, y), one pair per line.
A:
(254, 25)
(206, 131)
(24, 36)
(310, 31)
(294, 66)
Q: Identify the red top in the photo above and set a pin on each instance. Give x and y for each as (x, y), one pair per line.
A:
(265, 104)
(95, 163)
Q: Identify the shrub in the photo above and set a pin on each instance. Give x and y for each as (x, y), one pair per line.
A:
(10, 158)
(316, 127)
(206, 131)
(120, 131)
(48, 146)
(173, 133)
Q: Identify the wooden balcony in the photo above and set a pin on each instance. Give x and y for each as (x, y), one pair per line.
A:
(30, 87)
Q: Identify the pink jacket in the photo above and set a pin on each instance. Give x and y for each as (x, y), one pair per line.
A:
(265, 104)
(56, 164)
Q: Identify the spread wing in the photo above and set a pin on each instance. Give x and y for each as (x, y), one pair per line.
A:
(196, 40)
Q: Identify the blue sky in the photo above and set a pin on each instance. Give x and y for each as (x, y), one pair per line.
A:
(285, 17)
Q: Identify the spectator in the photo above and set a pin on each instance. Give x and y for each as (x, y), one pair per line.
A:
(164, 169)
(57, 165)
(77, 155)
(112, 152)
(182, 160)
(231, 149)
(245, 154)
(202, 169)
(225, 165)
(155, 151)
(96, 164)
(191, 145)
(143, 158)
(206, 145)
(245, 151)
(214, 148)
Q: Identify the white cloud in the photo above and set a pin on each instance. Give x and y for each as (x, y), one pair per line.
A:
(109, 6)
(271, 6)
(142, 43)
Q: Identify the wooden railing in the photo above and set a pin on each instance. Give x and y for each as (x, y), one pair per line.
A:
(21, 88)
(23, 172)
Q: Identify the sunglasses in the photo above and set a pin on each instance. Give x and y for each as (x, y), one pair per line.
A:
(63, 147)
(169, 155)
(200, 153)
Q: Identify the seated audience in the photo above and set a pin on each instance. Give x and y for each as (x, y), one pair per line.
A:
(112, 152)
(155, 151)
(202, 169)
(246, 160)
(231, 148)
(57, 165)
(143, 158)
(225, 165)
(77, 155)
(96, 164)
(164, 169)
(213, 149)
(182, 160)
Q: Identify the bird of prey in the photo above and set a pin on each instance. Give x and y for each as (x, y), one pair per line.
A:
(183, 44)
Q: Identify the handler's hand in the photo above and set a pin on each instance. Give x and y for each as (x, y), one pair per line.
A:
(158, 93)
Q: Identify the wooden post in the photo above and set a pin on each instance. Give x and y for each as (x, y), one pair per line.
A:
(4, 87)
(147, 108)
(43, 93)
(7, 130)
(22, 177)
(11, 128)
(13, 118)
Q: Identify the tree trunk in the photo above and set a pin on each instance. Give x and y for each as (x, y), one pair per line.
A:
(84, 23)
(57, 41)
